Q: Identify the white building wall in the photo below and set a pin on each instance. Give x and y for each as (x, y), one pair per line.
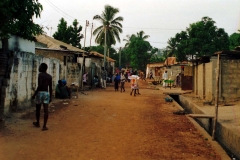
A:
(20, 44)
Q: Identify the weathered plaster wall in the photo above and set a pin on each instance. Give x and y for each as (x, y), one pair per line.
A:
(208, 81)
(58, 54)
(16, 43)
(23, 79)
(23, 73)
(195, 79)
(200, 81)
(68, 67)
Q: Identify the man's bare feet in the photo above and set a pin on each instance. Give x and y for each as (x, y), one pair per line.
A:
(36, 124)
(44, 129)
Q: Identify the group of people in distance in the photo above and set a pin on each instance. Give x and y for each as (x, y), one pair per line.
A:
(124, 76)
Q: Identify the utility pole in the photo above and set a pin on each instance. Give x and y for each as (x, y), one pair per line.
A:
(87, 23)
(108, 59)
(83, 57)
(91, 35)
(105, 48)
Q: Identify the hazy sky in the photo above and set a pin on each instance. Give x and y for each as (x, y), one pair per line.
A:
(160, 19)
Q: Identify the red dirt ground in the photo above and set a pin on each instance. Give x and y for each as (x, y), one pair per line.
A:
(107, 125)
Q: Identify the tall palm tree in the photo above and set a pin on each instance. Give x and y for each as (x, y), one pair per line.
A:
(142, 36)
(108, 32)
(109, 23)
(139, 35)
(127, 40)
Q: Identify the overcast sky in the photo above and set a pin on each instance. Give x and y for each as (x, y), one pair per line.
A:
(160, 19)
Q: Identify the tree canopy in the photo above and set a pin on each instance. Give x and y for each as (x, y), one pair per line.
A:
(234, 40)
(69, 34)
(111, 24)
(139, 51)
(17, 18)
(202, 38)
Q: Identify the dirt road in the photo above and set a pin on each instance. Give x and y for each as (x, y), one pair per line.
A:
(107, 125)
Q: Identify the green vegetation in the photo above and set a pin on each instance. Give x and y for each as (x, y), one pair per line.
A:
(109, 23)
(234, 40)
(202, 38)
(69, 34)
(137, 51)
(17, 18)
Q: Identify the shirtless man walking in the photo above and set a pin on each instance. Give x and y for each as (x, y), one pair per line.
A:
(43, 95)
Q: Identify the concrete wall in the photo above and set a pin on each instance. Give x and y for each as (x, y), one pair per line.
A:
(16, 43)
(224, 135)
(58, 54)
(195, 80)
(200, 81)
(208, 81)
(67, 67)
(22, 83)
(229, 139)
(23, 79)
(230, 78)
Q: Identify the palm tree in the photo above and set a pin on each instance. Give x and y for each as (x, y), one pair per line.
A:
(110, 24)
(127, 40)
(109, 31)
(139, 35)
(142, 36)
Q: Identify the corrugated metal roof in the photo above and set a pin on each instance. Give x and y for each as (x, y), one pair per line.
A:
(102, 56)
(56, 44)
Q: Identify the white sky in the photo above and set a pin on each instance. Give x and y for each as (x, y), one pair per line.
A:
(160, 19)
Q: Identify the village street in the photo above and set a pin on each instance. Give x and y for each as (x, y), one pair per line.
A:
(107, 125)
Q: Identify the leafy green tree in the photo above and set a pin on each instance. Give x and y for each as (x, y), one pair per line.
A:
(139, 51)
(99, 49)
(17, 19)
(182, 42)
(205, 38)
(69, 34)
(202, 38)
(172, 47)
(234, 40)
(62, 34)
(111, 24)
(75, 34)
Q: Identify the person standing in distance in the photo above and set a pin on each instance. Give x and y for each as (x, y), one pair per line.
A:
(104, 78)
(151, 75)
(43, 95)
